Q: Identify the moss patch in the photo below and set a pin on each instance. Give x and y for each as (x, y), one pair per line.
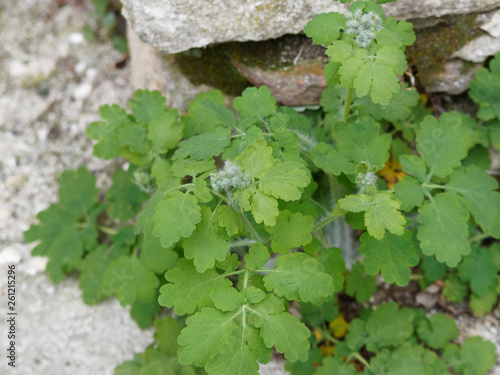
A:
(436, 44)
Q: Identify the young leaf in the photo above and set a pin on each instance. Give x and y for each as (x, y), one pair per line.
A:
(204, 146)
(146, 105)
(358, 285)
(83, 182)
(443, 229)
(218, 113)
(432, 269)
(479, 190)
(167, 329)
(283, 331)
(125, 198)
(284, 180)
(398, 109)
(376, 326)
(334, 264)
(95, 264)
(483, 90)
(130, 280)
(290, 231)
(415, 360)
(156, 257)
(455, 290)
(189, 289)
(143, 312)
(362, 142)
(189, 167)
(67, 228)
(104, 131)
(234, 357)
(410, 192)
(227, 299)
(204, 335)
(381, 212)
(228, 218)
(483, 304)
(257, 256)
(60, 241)
(176, 216)
(442, 145)
(395, 33)
(254, 105)
(145, 221)
(299, 277)
(414, 165)
(164, 131)
(374, 74)
(335, 365)
(325, 28)
(475, 356)
(198, 122)
(479, 269)
(393, 256)
(333, 161)
(437, 331)
(132, 137)
(256, 159)
(264, 208)
(205, 245)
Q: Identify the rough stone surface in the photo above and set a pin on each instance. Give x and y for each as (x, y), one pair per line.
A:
(453, 79)
(294, 72)
(301, 83)
(177, 25)
(479, 49)
(295, 86)
(153, 71)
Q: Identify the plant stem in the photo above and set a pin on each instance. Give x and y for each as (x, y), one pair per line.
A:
(220, 196)
(316, 203)
(327, 335)
(107, 230)
(245, 280)
(478, 237)
(250, 228)
(348, 101)
(433, 186)
(241, 243)
(416, 277)
(360, 358)
(322, 223)
(330, 338)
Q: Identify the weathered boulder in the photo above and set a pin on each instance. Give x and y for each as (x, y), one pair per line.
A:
(173, 26)
(452, 43)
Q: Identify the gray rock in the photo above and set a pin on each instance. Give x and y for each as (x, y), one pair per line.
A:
(453, 79)
(480, 48)
(173, 26)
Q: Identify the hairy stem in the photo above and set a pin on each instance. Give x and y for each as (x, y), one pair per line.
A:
(110, 231)
(322, 223)
(250, 228)
(347, 107)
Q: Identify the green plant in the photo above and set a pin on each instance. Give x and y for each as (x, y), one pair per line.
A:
(106, 24)
(240, 207)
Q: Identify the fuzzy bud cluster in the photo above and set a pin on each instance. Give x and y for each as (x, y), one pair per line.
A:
(228, 178)
(364, 26)
(366, 176)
